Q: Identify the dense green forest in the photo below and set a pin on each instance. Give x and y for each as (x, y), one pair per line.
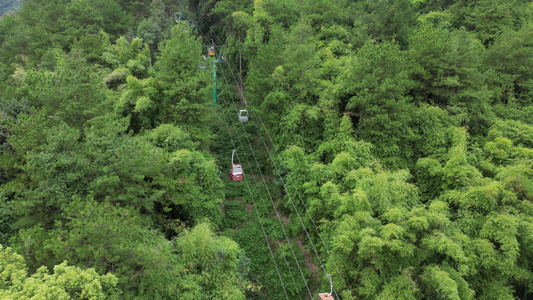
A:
(389, 144)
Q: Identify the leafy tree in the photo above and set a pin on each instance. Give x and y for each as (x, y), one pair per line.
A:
(9, 111)
(25, 134)
(213, 263)
(302, 127)
(386, 20)
(341, 138)
(149, 32)
(510, 58)
(399, 244)
(458, 171)
(172, 138)
(449, 74)
(82, 13)
(432, 128)
(374, 90)
(126, 58)
(432, 6)
(192, 188)
(91, 45)
(106, 237)
(154, 29)
(67, 282)
(489, 19)
(108, 164)
(225, 9)
(107, 15)
(73, 91)
(327, 13)
(159, 16)
(301, 64)
(139, 102)
(267, 82)
(13, 40)
(186, 99)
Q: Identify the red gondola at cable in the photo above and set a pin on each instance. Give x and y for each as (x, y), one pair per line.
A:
(235, 173)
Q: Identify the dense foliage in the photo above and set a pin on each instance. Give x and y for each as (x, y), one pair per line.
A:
(390, 144)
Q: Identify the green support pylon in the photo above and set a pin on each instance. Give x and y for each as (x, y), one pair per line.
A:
(215, 84)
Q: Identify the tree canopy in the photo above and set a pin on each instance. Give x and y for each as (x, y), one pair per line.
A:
(389, 144)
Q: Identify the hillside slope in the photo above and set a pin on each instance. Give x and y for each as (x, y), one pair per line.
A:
(9, 6)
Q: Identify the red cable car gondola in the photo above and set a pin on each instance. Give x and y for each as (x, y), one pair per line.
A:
(235, 173)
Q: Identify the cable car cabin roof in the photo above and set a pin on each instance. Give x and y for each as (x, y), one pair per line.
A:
(325, 296)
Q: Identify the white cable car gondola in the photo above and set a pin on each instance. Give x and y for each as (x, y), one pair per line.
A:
(243, 116)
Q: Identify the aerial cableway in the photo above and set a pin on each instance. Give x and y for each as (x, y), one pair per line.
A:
(243, 116)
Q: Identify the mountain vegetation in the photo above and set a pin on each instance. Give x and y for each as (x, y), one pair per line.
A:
(389, 144)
